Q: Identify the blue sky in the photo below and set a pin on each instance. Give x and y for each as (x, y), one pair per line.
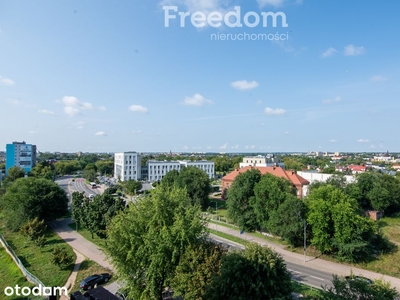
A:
(109, 76)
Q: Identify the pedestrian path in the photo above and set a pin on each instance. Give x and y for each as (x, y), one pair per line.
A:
(79, 243)
(310, 262)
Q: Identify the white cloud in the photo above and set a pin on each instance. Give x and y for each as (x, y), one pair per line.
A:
(185, 147)
(32, 132)
(73, 106)
(372, 146)
(274, 112)
(136, 131)
(71, 111)
(259, 102)
(334, 100)
(351, 50)
(274, 3)
(46, 112)
(102, 108)
(328, 52)
(100, 133)
(138, 108)
(378, 78)
(286, 132)
(332, 141)
(224, 146)
(235, 147)
(6, 81)
(209, 147)
(196, 100)
(243, 85)
(362, 141)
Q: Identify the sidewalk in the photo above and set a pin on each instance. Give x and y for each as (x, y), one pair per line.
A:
(311, 262)
(79, 243)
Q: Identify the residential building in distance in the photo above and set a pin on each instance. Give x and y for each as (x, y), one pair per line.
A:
(268, 160)
(20, 154)
(297, 181)
(2, 156)
(127, 166)
(156, 170)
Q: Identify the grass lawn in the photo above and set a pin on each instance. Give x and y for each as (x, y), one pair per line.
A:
(305, 290)
(88, 268)
(37, 260)
(10, 275)
(87, 235)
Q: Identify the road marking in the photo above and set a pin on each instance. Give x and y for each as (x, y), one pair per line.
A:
(294, 271)
(317, 278)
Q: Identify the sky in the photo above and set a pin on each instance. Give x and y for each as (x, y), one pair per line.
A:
(200, 76)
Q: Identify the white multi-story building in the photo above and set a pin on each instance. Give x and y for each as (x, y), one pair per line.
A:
(262, 161)
(127, 165)
(205, 165)
(156, 170)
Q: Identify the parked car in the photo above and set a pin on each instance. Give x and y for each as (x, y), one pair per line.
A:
(361, 278)
(89, 282)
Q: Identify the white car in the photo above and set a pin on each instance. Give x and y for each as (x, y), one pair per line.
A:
(91, 196)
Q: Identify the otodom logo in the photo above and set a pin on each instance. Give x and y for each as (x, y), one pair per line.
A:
(35, 291)
(216, 19)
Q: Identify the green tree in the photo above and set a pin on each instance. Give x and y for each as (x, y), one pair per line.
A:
(355, 288)
(27, 198)
(105, 167)
(90, 175)
(288, 221)
(196, 268)
(60, 257)
(256, 273)
(131, 187)
(170, 178)
(147, 241)
(14, 173)
(239, 201)
(270, 192)
(43, 171)
(197, 184)
(77, 212)
(337, 226)
(35, 231)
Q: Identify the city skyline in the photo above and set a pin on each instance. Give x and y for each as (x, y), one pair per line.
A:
(112, 77)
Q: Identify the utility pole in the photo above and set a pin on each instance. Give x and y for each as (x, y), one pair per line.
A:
(305, 240)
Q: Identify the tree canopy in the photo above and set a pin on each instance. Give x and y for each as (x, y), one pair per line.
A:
(256, 273)
(27, 198)
(146, 241)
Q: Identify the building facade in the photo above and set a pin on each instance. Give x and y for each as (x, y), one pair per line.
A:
(262, 161)
(127, 166)
(20, 154)
(156, 170)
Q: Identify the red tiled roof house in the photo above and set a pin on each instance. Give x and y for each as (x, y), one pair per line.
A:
(297, 181)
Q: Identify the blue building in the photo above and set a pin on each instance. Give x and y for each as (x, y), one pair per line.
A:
(21, 155)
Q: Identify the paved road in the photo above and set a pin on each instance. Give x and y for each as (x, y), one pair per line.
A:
(299, 273)
(296, 263)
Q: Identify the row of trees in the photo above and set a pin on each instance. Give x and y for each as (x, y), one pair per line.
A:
(266, 202)
(95, 214)
(333, 210)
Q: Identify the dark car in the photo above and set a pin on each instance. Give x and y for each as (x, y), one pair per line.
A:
(360, 278)
(89, 282)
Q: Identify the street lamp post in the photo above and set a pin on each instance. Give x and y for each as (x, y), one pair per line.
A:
(305, 240)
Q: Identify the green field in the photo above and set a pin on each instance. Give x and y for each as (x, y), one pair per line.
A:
(37, 260)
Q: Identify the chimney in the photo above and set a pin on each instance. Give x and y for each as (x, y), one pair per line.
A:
(293, 172)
